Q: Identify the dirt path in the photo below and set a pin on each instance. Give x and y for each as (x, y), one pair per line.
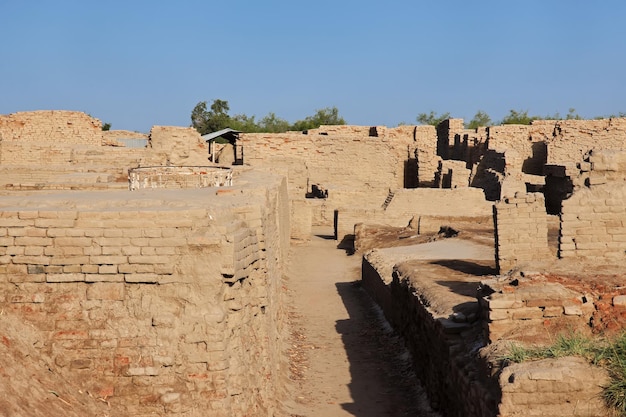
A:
(347, 361)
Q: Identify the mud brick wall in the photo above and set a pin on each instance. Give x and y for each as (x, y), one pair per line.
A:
(345, 161)
(593, 223)
(553, 387)
(421, 202)
(441, 202)
(334, 162)
(164, 312)
(569, 140)
(593, 219)
(180, 145)
(532, 309)
(460, 382)
(439, 351)
(452, 174)
(521, 230)
(51, 127)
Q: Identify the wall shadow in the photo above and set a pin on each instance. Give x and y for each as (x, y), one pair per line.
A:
(382, 381)
(478, 269)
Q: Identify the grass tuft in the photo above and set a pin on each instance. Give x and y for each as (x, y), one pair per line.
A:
(608, 353)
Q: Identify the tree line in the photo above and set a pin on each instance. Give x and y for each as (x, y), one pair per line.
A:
(207, 120)
(216, 117)
(520, 117)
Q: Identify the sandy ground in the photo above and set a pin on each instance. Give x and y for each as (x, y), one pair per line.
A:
(348, 362)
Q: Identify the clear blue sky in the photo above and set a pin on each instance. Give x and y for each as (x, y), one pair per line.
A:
(140, 63)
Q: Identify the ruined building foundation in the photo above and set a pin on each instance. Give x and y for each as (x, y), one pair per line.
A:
(169, 299)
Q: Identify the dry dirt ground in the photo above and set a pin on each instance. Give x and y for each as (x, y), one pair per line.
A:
(346, 360)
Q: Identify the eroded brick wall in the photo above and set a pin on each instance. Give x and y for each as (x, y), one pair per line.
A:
(167, 311)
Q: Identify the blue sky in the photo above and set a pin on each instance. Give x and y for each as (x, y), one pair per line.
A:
(140, 63)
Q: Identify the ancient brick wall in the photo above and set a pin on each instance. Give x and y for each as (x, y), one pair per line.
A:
(179, 145)
(569, 140)
(404, 204)
(532, 309)
(462, 382)
(334, 162)
(348, 159)
(454, 381)
(521, 228)
(51, 127)
(171, 311)
(593, 219)
(553, 387)
(452, 174)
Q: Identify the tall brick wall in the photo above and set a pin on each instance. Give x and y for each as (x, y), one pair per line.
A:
(521, 229)
(348, 159)
(335, 162)
(159, 309)
(593, 219)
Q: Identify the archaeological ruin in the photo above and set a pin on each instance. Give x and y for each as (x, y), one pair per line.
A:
(145, 273)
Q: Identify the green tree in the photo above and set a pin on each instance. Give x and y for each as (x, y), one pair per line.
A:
(572, 114)
(106, 126)
(274, 124)
(520, 117)
(481, 119)
(207, 121)
(326, 116)
(432, 118)
(611, 116)
(199, 117)
(243, 123)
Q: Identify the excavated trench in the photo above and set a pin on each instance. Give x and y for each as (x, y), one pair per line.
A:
(345, 358)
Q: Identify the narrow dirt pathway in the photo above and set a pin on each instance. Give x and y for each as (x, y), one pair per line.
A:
(346, 359)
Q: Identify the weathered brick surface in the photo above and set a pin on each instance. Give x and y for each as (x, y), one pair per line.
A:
(593, 219)
(167, 312)
(521, 229)
(562, 387)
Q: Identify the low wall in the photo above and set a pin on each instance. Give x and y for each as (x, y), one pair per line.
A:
(179, 177)
(461, 373)
(442, 351)
(161, 304)
(428, 204)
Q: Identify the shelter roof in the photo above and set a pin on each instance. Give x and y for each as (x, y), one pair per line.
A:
(227, 133)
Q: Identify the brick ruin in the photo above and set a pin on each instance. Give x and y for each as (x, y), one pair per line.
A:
(168, 299)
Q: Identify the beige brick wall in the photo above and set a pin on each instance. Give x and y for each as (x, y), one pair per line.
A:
(178, 304)
(420, 202)
(51, 127)
(593, 218)
(593, 223)
(521, 227)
